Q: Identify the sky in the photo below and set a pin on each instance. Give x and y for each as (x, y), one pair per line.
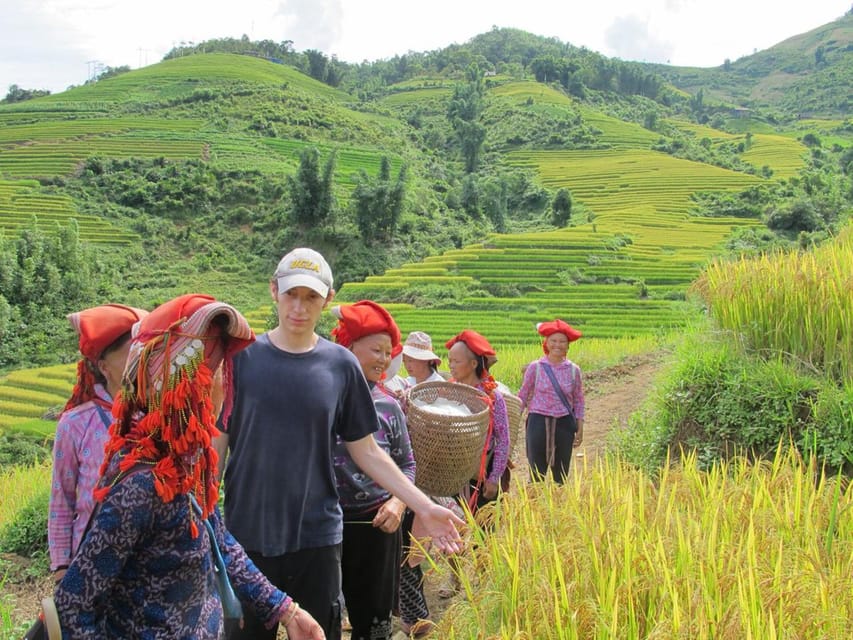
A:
(52, 44)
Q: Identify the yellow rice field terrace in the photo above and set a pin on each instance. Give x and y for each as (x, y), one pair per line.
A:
(781, 153)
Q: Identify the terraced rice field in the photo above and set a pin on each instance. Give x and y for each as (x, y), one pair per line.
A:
(52, 158)
(781, 153)
(181, 76)
(21, 200)
(623, 274)
(25, 396)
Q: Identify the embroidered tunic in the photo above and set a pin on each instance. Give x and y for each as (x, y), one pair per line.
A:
(500, 437)
(537, 393)
(78, 451)
(358, 492)
(140, 574)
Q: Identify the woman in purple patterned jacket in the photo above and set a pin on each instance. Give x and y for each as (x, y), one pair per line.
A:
(552, 393)
(372, 543)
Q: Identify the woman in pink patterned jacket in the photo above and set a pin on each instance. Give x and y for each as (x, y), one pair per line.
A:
(552, 393)
(82, 432)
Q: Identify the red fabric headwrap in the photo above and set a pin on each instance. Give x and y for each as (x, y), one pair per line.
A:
(478, 344)
(364, 318)
(99, 327)
(558, 326)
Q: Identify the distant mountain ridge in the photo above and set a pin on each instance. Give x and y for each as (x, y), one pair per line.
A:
(808, 74)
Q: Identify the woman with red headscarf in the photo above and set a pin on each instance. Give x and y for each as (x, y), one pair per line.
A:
(145, 568)
(470, 358)
(371, 554)
(78, 448)
(552, 392)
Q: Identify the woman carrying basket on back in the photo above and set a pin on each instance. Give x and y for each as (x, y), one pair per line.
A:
(552, 392)
(470, 358)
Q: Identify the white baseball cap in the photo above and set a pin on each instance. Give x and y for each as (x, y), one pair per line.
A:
(304, 267)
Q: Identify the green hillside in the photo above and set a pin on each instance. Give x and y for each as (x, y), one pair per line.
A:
(184, 175)
(802, 74)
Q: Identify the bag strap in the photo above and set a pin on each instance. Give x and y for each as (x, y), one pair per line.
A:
(553, 378)
(231, 606)
(104, 417)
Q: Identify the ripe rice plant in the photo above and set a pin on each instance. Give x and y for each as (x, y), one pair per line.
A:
(798, 304)
(18, 484)
(742, 551)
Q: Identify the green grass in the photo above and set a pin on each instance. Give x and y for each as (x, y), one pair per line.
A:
(179, 77)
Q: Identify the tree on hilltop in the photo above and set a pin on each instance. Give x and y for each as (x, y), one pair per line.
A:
(19, 94)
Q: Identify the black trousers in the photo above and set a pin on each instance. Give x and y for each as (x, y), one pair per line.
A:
(312, 577)
(413, 604)
(370, 565)
(537, 446)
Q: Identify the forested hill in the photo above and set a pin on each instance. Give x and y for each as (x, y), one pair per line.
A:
(492, 176)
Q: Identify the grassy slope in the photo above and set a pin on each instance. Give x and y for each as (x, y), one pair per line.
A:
(786, 75)
(641, 232)
(632, 192)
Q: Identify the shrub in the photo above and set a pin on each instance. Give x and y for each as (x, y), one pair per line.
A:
(721, 402)
(26, 533)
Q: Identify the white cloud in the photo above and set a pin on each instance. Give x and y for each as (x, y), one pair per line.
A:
(630, 38)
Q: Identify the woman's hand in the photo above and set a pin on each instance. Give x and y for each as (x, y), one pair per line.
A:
(578, 435)
(390, 515)
(303, 626)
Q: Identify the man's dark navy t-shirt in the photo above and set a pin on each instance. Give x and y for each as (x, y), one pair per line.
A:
(280, 493)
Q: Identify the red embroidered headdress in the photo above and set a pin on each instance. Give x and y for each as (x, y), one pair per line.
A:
(98, 328)
(165, 414)
(364, 318)
(557, 326)
(478, 345)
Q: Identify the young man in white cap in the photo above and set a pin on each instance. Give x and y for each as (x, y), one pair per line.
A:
(293, 393)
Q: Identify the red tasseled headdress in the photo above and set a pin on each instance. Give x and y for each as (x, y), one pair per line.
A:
(164, 414)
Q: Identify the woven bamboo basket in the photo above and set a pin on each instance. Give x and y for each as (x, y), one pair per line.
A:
(513, 410)
(447, 448)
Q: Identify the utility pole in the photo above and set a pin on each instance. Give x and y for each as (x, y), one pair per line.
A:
(141, 51)
(93, 68)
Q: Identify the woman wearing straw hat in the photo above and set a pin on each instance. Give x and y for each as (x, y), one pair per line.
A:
(552, 392)
(145, 568)
(470, 358)
(370, 557)
(420, 361)
(83, 429)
